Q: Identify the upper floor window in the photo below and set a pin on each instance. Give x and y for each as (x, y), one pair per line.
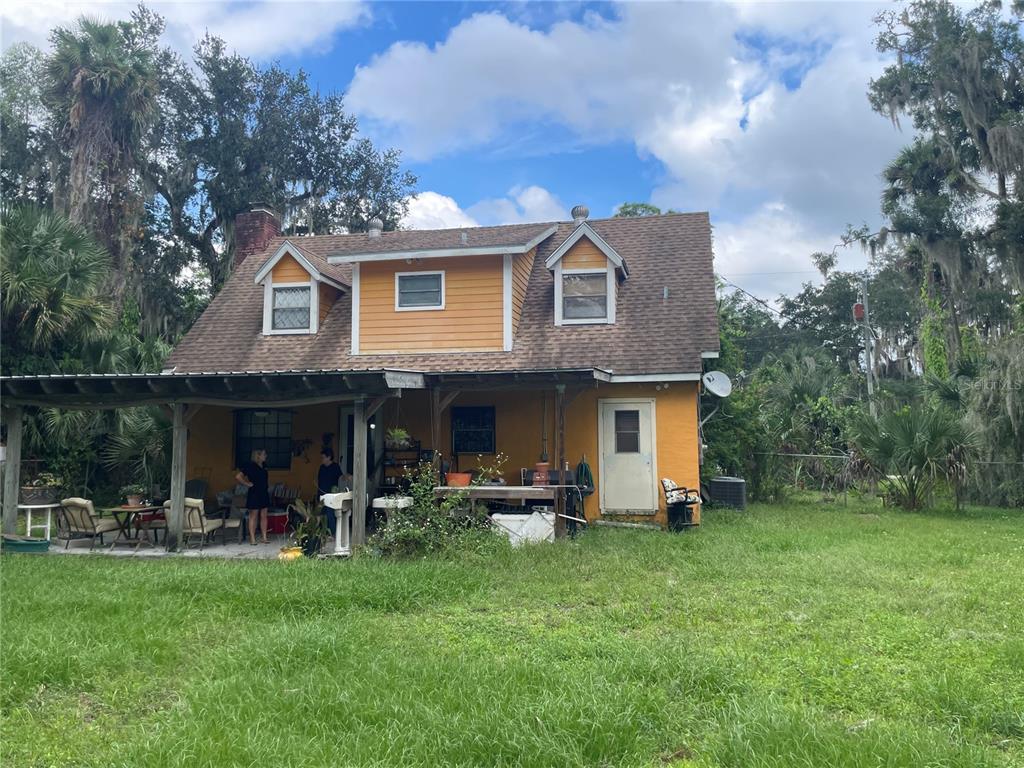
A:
(419, 290)
(585, 295)
(291, 308)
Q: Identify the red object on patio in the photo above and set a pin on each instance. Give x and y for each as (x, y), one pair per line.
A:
(277, 522)
(858, 312)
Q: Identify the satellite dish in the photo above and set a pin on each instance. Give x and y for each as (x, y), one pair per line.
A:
(717, 383)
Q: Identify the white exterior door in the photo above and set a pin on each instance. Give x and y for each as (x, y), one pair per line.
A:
(628, 460)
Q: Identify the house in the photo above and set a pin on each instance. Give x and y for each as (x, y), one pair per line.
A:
(576, 339)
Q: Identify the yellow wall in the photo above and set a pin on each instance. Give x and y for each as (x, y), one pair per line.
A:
(522, 265)
(584, 255)
(211, 447)
(328, 294)
(518, 418)
(471, 319)
(288, 270)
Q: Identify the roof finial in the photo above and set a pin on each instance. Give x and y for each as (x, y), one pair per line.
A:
(376, 227)
(464, 237)
(579, 214)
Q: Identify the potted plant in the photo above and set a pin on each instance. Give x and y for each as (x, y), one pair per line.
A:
(133, 493)
(310, 533)
(397, 438)
(44, 488)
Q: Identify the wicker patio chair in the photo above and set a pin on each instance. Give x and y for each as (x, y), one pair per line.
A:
(78, 520)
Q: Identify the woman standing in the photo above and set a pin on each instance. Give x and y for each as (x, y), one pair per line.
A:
(253, 474)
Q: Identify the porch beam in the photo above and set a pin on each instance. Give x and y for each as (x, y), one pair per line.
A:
(12, 468)
(375, 405)
(49, 387)
(359, 473)
(179, 439)
(560, 452)
(448, 399)
(191, 412)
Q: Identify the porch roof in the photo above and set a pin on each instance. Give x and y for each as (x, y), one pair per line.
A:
(211, 388)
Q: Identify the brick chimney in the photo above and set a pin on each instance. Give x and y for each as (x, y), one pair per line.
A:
(254, 229)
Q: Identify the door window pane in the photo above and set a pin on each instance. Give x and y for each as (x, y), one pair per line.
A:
(627, 431)
(585, 296)
(291, 309)
(422, 291)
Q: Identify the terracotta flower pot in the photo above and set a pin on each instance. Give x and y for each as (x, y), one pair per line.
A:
(459, 479)
(134, 501)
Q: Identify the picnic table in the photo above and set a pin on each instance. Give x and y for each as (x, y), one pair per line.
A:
(517, 494)
(125, 517)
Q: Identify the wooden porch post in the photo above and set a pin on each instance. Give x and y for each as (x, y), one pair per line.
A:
(560, 453)
(12, 468)
(359, 473)
(176, 518)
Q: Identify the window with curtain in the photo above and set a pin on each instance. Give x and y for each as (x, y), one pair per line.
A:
(291, 309)
(270, 430)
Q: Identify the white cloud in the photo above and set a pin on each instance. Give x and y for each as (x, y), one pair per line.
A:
(431, 210)
(756, 112)
(257, 29)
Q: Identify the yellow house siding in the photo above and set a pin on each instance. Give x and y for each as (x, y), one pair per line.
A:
(328, 294)
(211, 448)
(522, 265)
(584, 255)
(471, 319)
(518, 429)
(288, 270)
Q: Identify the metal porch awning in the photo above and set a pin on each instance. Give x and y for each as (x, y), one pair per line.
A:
(213, 388)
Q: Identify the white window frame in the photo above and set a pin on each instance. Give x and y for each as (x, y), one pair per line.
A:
(609, 318)
(421, 273)
(268, 308)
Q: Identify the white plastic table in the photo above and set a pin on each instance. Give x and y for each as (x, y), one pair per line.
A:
(28, 517)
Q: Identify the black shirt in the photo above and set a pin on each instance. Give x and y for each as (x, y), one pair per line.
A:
(327, 477)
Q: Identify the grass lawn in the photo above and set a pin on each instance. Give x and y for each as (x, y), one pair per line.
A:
(784, 636)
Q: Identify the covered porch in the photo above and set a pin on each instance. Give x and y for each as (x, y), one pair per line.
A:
(467, 419)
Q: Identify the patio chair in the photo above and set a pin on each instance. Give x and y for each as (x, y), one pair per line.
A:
(196, 523)
(281, 500)
(79, 520)
(679, 502)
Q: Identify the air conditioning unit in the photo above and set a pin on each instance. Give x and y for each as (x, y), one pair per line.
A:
(728, 491)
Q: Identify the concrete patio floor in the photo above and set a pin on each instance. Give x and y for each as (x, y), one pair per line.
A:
(230, 550)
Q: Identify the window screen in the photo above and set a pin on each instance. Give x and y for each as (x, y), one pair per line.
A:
(291, 309)
(473, 429)
(269, 430)
(627, 431)
(421, 290)
(585, 296)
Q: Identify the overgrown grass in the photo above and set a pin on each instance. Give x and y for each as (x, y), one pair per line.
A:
(797, 636)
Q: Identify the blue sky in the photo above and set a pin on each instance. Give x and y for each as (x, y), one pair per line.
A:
(517, 111)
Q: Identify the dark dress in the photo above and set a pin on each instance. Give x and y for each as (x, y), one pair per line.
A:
(258, 497)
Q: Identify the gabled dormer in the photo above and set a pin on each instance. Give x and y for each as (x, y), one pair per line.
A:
(587, 271)
(296, 294)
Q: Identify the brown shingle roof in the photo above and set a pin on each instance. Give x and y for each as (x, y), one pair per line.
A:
(665, 311)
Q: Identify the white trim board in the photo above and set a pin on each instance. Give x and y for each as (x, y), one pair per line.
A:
(638, 378)
(290, 250)
(506, 302)
(439, 253)
(585, 230)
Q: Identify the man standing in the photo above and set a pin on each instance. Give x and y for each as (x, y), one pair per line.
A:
(329, 479)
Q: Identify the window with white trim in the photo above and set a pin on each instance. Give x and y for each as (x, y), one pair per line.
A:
(585, 295)
(419, 290)
(291, 308)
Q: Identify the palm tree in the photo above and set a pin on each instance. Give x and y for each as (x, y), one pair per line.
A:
(915, 448)
(51, 272)
(101, 80)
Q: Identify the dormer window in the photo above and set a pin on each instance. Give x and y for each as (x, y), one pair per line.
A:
(419, 290)
(296, 295)
(291, 310)
(585, 295)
